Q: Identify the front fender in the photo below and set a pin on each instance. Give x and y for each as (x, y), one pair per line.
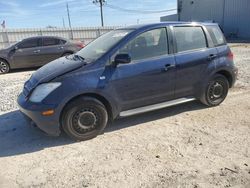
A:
(82, 83)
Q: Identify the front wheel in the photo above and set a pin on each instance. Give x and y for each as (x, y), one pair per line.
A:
(216, 91)
(4, 67)
(84, 118)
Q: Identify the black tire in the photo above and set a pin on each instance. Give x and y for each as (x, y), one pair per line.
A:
(4, 67)
(84, 118)
(216, 91)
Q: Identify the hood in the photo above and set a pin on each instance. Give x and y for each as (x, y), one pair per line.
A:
(50, 71)
(56, 68)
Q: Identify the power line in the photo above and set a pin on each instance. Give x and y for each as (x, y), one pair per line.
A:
(139, 11)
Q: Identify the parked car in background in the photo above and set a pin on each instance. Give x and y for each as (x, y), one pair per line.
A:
(36, 52)
(129, 71)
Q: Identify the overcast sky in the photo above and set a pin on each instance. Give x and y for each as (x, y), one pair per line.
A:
(34, 13)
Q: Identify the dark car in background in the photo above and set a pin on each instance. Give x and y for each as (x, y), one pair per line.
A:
(36, 52)
(129, 71)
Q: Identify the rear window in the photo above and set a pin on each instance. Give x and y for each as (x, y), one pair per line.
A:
(216, 35)
(189, 38)
(50, 41)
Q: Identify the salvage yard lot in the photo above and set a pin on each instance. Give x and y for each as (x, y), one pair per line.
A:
(183, 146)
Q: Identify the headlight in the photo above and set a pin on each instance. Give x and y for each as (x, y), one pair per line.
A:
(43, 90)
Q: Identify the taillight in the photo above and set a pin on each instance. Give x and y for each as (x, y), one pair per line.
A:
(80, 45)
(230, 56)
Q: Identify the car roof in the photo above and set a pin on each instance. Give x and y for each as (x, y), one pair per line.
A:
(40, 37)
(164, 24)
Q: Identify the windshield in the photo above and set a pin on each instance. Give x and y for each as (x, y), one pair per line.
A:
(101, 45)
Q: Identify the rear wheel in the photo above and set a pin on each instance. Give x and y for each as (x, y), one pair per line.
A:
(4, 67)
(84, 118)
(216, 91)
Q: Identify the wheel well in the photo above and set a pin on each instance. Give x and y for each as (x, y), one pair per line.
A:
(4, 60)
(102, 99)
(228, 76)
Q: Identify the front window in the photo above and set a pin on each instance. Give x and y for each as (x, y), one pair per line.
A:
(103, 44)
(29, 43)
(149, 44)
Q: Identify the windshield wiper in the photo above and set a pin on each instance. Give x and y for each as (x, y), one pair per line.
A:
(75, 56)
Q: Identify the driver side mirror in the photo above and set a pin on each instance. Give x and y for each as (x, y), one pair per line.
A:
(16, 47)
(122, 59)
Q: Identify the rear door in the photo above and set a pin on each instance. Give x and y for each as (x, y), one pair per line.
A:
(52, 48)
(193, 56)
(27, 53)
(219, 42)
(150, 77)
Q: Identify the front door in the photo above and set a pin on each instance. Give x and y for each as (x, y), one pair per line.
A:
(150, 77)
(27, 53)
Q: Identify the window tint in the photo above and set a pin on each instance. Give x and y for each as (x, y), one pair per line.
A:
(29, 43)
(216, 35)
(189, 38)
(50, 41)
(149, 44)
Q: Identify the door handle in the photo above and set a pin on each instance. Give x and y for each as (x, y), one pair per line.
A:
(61, 47)
(211, 57)
(37, 51)
(169, 66)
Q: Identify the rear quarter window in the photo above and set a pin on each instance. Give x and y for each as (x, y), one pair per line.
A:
(50, 41)
(189, 38)
(62, 41)
(216, 35)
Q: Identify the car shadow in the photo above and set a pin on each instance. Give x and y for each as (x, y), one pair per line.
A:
(23, 70)
(16, 137)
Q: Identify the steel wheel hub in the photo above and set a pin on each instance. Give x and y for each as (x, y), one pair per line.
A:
(216, 91)
(86, 120)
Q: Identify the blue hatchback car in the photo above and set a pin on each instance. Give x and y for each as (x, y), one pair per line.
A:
(129, 71)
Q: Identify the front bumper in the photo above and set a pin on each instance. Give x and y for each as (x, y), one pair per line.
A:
(48, 124)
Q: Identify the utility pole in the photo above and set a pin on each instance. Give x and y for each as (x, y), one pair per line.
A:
(179, 9)
(67, 6)
(101, 3)
(63, 22)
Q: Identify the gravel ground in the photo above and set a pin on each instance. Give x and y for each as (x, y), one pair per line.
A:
(182, 146)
